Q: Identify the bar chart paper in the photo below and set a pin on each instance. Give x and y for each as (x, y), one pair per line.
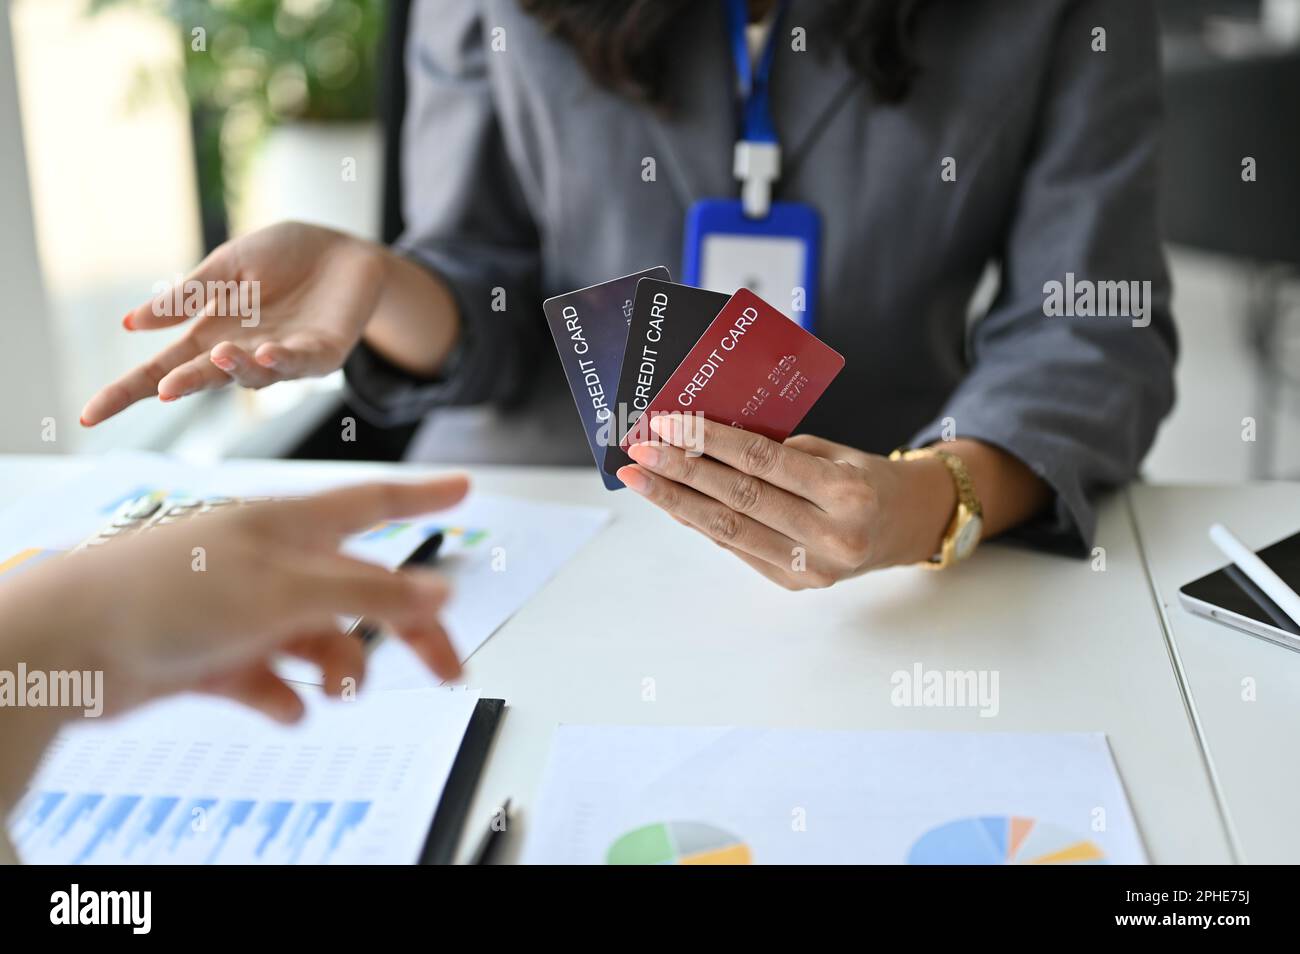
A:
(198, 780)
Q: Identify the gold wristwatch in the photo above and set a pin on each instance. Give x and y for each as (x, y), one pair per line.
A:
(963, 533)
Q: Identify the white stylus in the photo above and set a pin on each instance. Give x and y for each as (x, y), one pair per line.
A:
(1259, 572)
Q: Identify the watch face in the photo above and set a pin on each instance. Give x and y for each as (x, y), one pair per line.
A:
(967, 537)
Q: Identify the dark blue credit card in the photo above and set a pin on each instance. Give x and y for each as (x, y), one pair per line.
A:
(590, 331)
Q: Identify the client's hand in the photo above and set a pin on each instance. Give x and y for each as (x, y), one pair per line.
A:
(806, 513)
(208, 603)
(288, 301)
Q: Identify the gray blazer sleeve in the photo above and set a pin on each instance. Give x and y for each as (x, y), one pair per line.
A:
(466, 221)
(1079, 399)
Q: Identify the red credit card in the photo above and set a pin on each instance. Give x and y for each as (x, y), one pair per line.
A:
(753, 368)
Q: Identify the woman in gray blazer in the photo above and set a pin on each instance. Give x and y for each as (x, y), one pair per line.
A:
(939, 141)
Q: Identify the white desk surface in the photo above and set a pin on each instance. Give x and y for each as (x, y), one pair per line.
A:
(1075, 649)
(1251, 745)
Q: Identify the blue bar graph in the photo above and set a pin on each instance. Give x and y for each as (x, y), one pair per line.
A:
(135, 828)
(149, 824)
(309, 820)
(118, 811)
(236, 813)
(351, 815)
(81, 805)
(273, 817)
(192, 821)
(46, 803)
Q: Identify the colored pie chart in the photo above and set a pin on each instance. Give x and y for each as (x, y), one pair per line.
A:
(1003, 840)
(678, 843)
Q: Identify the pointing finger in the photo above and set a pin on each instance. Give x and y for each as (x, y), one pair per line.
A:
(337, 513)
(139, 383)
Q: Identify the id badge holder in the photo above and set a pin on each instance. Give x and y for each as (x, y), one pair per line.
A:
(775, 256)
(769, 247)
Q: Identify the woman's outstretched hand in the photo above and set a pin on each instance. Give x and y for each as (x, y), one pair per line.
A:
(207, 604)
(288, 301)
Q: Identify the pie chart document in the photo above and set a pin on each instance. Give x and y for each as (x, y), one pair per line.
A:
(702, 796)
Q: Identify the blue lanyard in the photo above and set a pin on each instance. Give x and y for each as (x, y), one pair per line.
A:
(754, 81)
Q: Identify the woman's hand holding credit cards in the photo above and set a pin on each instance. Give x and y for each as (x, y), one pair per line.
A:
(805, 513)
(688, 398)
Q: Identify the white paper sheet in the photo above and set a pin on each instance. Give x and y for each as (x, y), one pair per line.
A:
(199, 780)
(701, 795)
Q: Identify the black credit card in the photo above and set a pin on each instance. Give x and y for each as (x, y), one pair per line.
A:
(590, 328)
(667, 321)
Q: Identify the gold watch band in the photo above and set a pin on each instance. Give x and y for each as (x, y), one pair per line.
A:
(967, 512)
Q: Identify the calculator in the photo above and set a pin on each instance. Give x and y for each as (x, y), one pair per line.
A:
(151, 510)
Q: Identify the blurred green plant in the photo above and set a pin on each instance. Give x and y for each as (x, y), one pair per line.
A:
(249, 65)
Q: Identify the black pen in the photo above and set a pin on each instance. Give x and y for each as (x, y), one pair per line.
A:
(424, 555)
(492, 837)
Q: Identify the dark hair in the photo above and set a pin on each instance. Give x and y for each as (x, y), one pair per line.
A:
(626, 44)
